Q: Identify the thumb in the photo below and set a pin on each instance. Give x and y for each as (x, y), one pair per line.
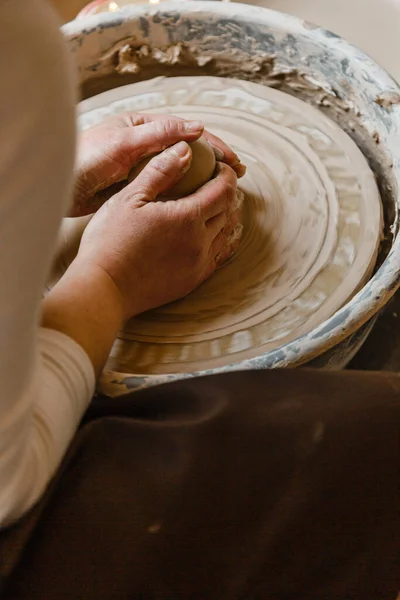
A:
(160, 174)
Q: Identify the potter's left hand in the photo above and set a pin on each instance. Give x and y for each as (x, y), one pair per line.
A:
(108, 151)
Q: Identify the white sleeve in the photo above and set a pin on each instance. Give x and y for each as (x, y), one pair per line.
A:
(46, 379)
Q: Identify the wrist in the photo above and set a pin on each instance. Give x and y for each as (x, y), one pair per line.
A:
(87, 306)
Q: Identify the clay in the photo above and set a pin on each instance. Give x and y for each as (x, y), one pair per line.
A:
(127, 59)
(131, 59)
(201, 170)
(388, 99)
(312, 226)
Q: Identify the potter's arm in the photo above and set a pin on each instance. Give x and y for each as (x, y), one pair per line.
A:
(46, 378)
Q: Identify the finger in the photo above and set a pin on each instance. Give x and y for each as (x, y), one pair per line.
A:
(216, 224)
(227, 253)
(222, 250)
(218, 261)
(235, 236)
(225, 154)
(217, 246)
(224, 224)
(233, 220)
(226, 243)
(132, 119)
(161, 173)
(215, 197)
(210, 270)
(150, 138)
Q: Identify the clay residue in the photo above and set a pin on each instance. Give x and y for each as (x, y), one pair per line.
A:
(129, 58)
(388, 99)
(126, 57)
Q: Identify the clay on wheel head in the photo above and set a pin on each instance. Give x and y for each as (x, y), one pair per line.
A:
(201, 170)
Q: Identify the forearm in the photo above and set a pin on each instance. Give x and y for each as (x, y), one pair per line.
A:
(47, 380)
(86, 306)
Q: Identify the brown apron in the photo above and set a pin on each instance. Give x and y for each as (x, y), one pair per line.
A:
(267, 485)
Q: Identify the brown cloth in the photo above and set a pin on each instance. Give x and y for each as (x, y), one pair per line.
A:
(267, 485)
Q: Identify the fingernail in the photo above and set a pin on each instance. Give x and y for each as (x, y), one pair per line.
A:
(219, 155)
(240, 169)
(180, 150)
(193, 126)
(186, 167)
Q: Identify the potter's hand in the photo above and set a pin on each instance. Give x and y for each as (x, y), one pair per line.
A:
(107, 153)
(156, 252)
(138, 253)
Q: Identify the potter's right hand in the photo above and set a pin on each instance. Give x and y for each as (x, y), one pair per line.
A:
(155, 252)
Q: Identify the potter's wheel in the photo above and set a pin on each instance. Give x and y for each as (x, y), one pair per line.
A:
(312, 226)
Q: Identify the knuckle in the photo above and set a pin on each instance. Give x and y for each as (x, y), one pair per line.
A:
(227, 172)
(128, 118)
(226, 177)
(165, 129)
(186, 220)
(232, 192)
(192, 216)
(225, 197)
(230, 186)
(135, 193)
(180, 127)
(229, 194)
(160, 163)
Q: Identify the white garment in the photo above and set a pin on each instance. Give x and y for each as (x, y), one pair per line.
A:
(46, 379)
